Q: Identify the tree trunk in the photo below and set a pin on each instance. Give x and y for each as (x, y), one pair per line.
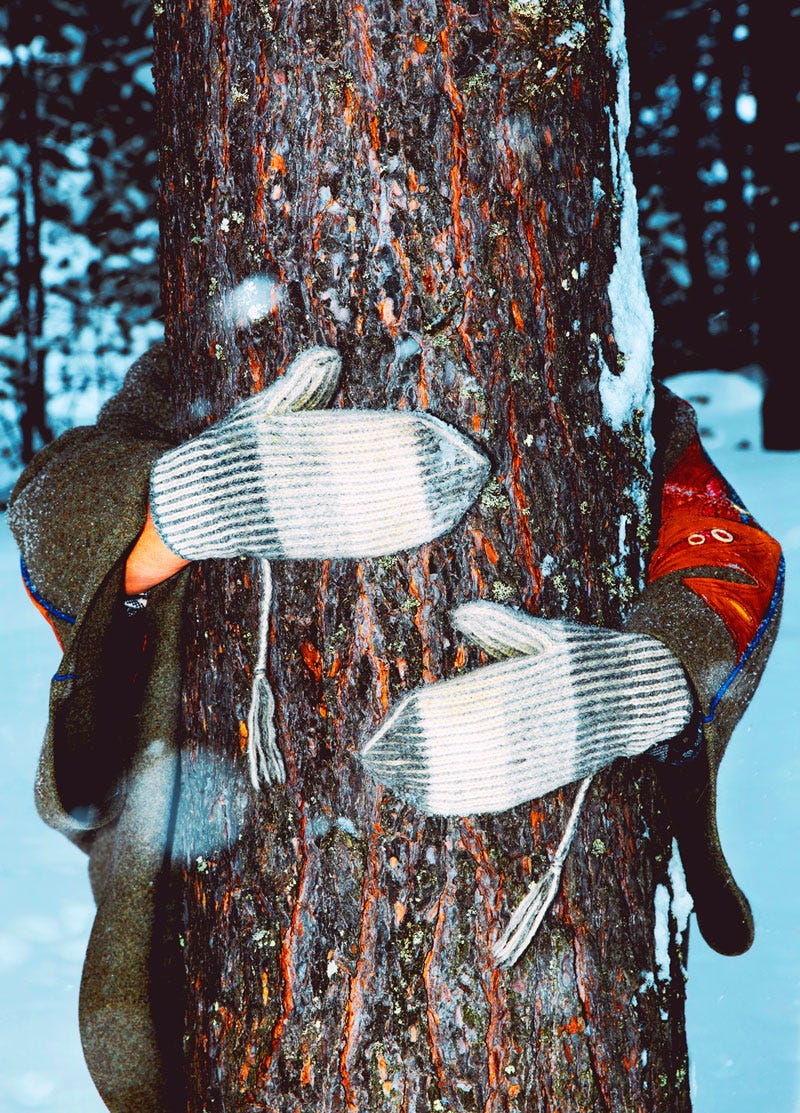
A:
(438, 191)
(30, 385)
(775, 44)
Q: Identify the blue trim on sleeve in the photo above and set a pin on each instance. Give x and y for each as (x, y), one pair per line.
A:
(753, 644)
(65, 676)
(51, 610)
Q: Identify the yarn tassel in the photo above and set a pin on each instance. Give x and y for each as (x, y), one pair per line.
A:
(531, 910)
(264, 759)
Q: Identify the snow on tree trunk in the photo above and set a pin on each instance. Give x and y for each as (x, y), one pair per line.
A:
(441, 192)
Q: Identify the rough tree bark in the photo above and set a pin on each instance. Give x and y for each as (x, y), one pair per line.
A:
(775, 43)
(437, 190)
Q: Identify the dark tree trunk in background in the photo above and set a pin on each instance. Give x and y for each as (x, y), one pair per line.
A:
(698, 166)
(432, 187)
(34, 429)
(776, 41)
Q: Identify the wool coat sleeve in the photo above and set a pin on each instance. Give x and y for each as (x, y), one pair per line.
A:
(75, 513)
(107, 773)
(713, 596)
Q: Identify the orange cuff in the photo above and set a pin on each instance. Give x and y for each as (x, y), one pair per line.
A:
(150, 562)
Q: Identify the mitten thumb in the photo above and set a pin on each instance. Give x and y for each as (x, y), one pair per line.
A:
(309, 383)
(502, 631)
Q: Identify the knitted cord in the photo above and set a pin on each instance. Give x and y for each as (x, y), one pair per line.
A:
(264, 759)
(531, 910)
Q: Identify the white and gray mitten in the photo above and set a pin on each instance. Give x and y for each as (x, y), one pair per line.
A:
(273, 482)
(343, 483)
(568, 701)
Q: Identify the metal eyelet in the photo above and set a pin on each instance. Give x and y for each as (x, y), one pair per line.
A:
(722, 535)
(696, 539)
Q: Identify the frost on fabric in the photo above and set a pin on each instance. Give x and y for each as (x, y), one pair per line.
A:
(630, 389)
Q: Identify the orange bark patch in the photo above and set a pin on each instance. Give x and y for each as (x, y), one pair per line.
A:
(307, 1074)
(349, 106)
(387, 315)
(542, 210)
(572, 1027)
(312, 658)
(374, 134)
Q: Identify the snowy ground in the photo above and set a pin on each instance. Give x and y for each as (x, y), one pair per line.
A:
(743, 1013)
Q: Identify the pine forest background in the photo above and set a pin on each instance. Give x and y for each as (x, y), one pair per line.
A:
(715, 146)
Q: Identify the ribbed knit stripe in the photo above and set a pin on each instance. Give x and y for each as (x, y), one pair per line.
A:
(338, 483)
(205, 497)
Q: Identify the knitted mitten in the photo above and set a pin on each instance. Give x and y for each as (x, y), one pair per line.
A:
(343, 483)
(570, 700)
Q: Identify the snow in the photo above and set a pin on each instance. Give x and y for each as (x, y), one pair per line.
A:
(682, 903)
(716, 174)
(662, 933)
(250, 301)
(673, 906)
(743, 1014)
(43, 885)
(629, 389)
(746, 108)
(573, 37)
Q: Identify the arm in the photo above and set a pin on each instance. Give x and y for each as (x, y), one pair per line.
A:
(78, 508)
(267, 481)
(150, 562)
(570, 699)
(715, 584)
(76, 513)
(714, 580)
